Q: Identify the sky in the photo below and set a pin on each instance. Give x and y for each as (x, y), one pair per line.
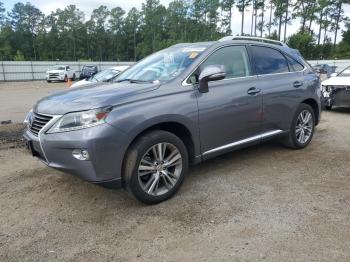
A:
(87, 6)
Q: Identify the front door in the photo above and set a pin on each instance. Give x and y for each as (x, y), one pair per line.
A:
(230, 113)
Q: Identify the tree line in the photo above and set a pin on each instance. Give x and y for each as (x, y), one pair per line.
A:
(26, 33)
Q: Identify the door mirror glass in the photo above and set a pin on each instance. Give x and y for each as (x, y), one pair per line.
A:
(210, 73)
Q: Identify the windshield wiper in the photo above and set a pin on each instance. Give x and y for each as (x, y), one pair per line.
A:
(134, 81)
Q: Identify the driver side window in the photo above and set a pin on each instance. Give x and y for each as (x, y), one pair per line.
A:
(234, 58)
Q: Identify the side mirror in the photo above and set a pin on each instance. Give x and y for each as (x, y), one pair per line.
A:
(334, 74)
(210, 73)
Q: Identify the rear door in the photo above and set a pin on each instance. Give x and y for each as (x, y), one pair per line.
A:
(281, 85)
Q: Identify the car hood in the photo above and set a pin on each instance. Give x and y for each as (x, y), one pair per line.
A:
(337, 81)
(80, 83)
(92, 96)
(55, 71)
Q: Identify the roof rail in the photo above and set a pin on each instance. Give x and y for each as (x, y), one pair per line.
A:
(253, 38)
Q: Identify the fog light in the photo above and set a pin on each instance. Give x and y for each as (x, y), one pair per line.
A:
(81, 154)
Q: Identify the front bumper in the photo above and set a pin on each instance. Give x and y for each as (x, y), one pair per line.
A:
(55, 78)
(86, 75)
(337, 96)
(106, 146)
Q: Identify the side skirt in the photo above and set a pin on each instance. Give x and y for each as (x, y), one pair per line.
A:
(242, 143)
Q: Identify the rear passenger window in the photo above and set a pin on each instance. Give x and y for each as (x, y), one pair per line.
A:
(294, 65)
(234, 58)
(269, 61)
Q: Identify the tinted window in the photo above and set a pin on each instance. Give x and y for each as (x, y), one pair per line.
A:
(294, 65)
(269, 61)
(234, 58)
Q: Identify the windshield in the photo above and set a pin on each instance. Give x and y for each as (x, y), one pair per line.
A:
(105, 75)
(58, 67)
(89, 68)
(163, 65)
(345, 72)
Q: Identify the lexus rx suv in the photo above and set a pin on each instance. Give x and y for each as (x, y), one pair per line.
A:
(179, 106)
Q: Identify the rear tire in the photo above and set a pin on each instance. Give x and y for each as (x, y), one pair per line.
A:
(155, 166)
(302, 128)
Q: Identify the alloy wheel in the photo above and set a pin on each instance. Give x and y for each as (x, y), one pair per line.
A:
(159, 169)
(304, 127)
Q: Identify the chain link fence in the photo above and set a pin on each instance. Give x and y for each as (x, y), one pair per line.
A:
(28, 70)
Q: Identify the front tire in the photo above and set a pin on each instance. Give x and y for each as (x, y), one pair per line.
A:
(155, 166)
(302, 128)
(73, 77)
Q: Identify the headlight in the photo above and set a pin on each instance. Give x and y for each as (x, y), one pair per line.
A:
(328, 88)
(28, 116)
(80, 120)
(61, 73)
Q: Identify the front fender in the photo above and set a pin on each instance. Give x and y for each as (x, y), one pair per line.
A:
(134, 118)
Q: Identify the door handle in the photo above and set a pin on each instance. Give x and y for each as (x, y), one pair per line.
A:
(253, 91)
(297, 84)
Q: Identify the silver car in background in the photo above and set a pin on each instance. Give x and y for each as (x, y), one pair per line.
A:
(103, 76)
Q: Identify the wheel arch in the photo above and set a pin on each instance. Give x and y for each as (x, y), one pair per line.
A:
(314, 105)
(177, 128)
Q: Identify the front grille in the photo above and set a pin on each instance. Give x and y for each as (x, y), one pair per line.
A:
(38, 122)
(53, 74)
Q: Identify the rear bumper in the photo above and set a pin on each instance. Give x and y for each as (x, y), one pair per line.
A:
(106, 146)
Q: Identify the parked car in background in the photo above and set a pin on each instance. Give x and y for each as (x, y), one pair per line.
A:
(325, 69)
(104, 76)
(336, 90)
(179, 106)
(60, 73)
(88, 71)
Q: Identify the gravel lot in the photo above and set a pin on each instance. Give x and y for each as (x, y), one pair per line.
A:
(265, 203)
(17, 98)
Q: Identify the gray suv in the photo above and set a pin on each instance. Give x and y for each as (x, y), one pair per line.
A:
(179, 106)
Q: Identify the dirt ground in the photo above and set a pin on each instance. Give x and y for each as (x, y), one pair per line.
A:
(17, 98)
(265, 203)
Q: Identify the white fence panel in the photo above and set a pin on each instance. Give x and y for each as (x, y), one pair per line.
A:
(339, 64)
(26, 70)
